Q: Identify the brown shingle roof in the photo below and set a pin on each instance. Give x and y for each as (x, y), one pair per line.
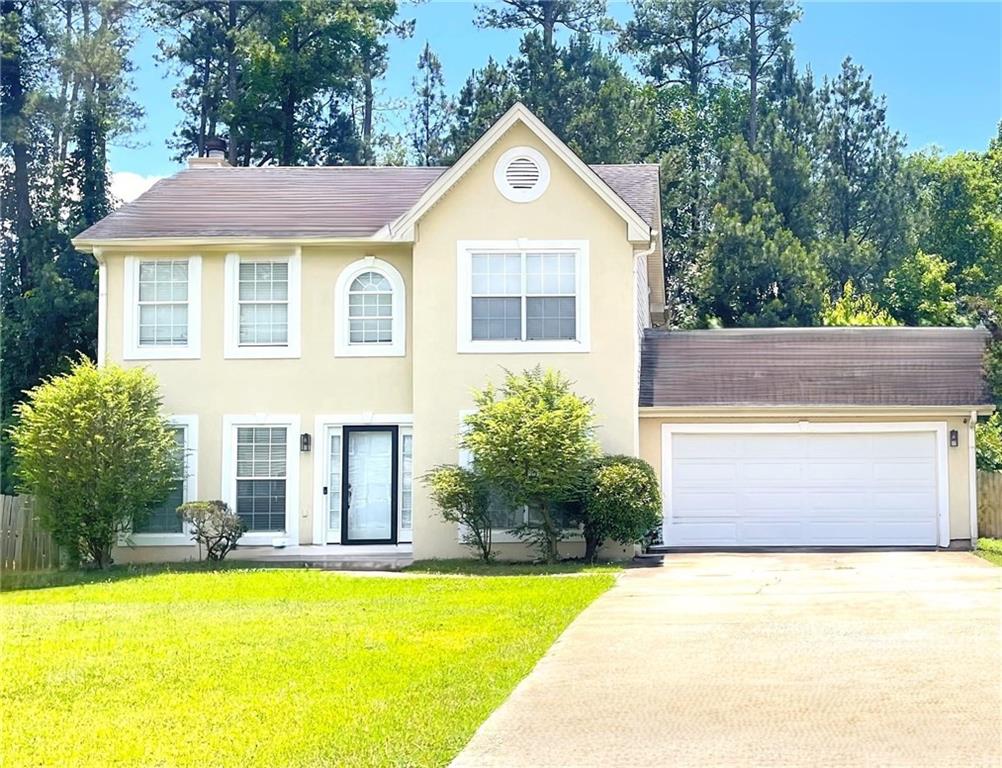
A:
(299, 202)
(814, 367)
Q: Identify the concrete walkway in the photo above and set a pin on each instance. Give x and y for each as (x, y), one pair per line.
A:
(862, 659)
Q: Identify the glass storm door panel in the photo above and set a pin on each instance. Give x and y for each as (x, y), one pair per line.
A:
(370, 485)
(333, 489)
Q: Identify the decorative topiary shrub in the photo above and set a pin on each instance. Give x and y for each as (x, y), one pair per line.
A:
(214, 526)
(621, 502)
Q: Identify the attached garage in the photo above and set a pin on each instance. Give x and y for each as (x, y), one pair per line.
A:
(813, 437)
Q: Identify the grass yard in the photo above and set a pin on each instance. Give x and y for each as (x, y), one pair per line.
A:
(990, 550)
(269, 667)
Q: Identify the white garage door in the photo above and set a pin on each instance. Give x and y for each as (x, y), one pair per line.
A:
(803, 485)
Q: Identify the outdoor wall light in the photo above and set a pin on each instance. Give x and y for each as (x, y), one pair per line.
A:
(954, 438)
(304, 442)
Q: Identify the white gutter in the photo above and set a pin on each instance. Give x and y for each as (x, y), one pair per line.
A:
(972, 471)
(102, 308)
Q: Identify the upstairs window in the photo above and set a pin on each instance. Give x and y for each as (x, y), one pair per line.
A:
(162, 308)
(523, 296)
(370, 302)
(262, 313)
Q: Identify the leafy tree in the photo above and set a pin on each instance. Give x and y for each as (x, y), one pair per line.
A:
(431, 112)
(864, 189)
(463, 498)
(96, 453)
(755, 271)
(989, 444)
(546, 15)
(531, 439)
(852, 308)
(622, 502)
(762, 36)
(920, 292)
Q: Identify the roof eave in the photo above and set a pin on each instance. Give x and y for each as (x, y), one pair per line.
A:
(736, 409)
(88, 245)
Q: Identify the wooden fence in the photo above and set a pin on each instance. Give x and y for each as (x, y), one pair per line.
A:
(24, 544)
(990, 504)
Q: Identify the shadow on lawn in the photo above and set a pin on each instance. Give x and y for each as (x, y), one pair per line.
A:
(509, 568)
(13, 581)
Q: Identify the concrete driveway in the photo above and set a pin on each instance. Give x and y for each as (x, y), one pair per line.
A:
(869, 658)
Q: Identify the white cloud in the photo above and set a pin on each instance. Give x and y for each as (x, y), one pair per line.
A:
(127, 186)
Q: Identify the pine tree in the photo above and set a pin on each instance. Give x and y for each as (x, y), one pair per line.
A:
(431, 113)
(546, 15)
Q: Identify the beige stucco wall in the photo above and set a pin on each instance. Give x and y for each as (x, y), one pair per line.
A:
(316, 383)
(444, 378)
(433, 381)
(958, 459)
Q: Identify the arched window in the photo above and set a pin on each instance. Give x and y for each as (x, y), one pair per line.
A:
(370, 295)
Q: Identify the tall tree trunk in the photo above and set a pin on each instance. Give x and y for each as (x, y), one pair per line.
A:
(231, 81)
(753, 67)
(15, 134)
(549, 22)
(367, 107)
(203, 109)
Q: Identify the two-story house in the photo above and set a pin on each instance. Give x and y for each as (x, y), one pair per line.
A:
(318, 333)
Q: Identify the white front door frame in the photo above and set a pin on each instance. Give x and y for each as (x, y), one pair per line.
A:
(807, 427)
(321, 458)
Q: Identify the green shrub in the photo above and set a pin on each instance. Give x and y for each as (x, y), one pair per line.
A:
(621, 502)
(95, 451)
(531, 440)
(214, 526)
(989, 444)
(463, 497)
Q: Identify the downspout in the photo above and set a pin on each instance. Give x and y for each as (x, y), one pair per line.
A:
(972, 471)
(640, 257)
(102, 308)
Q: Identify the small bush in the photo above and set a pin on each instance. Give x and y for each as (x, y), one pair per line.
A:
(214, 526)
(462, 497)
(621, 502)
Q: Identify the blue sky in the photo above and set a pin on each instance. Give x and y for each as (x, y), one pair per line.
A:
(940, 65)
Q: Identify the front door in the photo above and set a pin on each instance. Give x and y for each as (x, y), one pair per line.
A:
(369, 485)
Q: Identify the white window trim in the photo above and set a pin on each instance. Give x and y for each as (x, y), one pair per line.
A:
(938, 428)
(228, 490)
(521, 195)
(231, 308)
(404, 535)
(464, 290)
(131, 349)
(499, 535)
(190, 492)
(321, 458)
(343, 346)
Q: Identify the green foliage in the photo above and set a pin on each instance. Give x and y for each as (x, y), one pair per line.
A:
(754, 271)
(621, 502)
(575, 15)
(96, 453)
(854, 309)
(920, 292)
(989, 444)
(214, 526)
(431, 113)
(531, 439)
(463, 498)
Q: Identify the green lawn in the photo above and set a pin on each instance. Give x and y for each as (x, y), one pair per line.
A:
(269, 667)
(990, 550)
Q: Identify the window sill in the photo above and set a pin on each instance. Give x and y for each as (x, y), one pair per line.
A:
(261, 353)
(157, 540)
(522, 347)
(162, 353)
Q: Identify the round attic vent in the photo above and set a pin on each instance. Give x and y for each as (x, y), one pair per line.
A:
(522, 174)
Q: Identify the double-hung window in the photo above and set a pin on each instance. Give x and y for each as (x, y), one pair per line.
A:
(262, 306)
(523, 296)
(163, 526)
(261, 477)
(162, 307)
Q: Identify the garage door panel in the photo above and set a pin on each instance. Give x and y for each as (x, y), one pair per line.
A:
(704, 472)
(838, 473)
(802, 488)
